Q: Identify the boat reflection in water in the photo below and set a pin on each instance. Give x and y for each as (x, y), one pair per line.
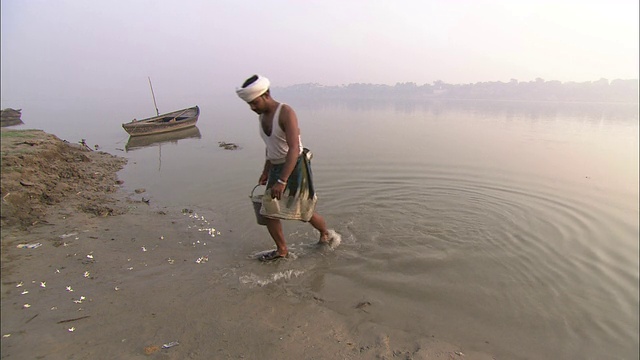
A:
(137, 142)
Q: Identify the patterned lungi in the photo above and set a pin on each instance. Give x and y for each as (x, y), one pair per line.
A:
(298, 202)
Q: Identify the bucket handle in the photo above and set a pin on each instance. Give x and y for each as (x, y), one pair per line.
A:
(254, 189)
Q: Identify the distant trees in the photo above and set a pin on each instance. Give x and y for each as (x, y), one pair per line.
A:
(602, 90)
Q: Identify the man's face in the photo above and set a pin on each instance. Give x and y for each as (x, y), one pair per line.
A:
(258, 105)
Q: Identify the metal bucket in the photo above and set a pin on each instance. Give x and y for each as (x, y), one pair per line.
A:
(256, 200)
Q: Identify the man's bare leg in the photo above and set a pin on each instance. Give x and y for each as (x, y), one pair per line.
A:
(275, 230)
(318, 222)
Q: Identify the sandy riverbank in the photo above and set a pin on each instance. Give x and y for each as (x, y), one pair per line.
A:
(103, 275)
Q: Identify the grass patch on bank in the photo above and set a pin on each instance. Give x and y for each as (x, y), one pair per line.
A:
(18, 142)
(19, 134)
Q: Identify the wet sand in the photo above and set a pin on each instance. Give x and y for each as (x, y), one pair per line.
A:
(109, 276)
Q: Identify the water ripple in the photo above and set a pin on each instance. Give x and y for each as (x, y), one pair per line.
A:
(523, 239)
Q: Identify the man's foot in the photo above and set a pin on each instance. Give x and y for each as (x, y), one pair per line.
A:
(270, 256)
(331, 238)
(324, 239)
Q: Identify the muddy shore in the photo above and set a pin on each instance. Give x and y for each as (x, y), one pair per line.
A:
(90, 271)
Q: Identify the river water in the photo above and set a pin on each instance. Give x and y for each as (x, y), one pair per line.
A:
(505, 226)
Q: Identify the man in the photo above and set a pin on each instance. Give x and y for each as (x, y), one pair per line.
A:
(290, 193)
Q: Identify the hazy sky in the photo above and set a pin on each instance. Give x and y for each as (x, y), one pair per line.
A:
(78, 49)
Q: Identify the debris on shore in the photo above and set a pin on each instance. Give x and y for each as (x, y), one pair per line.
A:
(228, 146)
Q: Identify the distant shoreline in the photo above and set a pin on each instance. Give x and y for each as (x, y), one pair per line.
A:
(601, 91)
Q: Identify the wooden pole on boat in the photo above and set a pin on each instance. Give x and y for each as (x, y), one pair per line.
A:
(154, 96)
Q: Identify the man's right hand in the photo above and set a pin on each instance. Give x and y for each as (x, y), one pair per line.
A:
(263, 179)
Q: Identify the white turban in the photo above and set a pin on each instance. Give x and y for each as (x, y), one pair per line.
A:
(253, 90)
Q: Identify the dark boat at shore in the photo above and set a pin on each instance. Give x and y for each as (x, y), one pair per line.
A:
(176, 120)
(10, 117)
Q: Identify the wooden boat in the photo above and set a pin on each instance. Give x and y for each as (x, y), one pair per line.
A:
(172, 121)
(137, 142)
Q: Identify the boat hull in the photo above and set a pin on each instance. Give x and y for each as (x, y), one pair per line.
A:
(176, 120)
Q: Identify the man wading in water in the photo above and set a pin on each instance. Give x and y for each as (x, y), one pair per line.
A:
(290, 192)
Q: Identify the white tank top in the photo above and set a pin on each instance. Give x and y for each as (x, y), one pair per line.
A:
(276, 143)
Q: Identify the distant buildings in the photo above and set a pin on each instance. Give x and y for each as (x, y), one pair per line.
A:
(602, 90)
